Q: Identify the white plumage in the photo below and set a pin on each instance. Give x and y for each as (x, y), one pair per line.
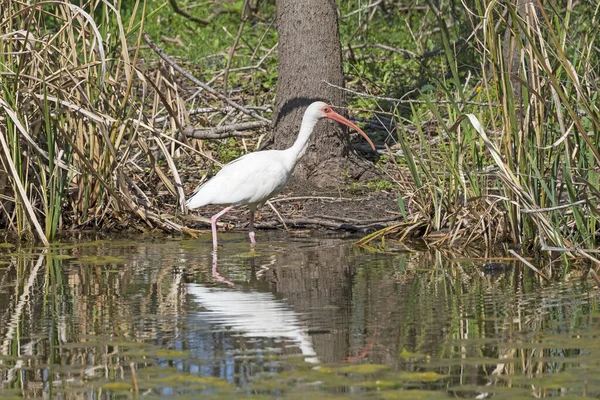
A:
(256, 177)
(254, 314)
(249, 180)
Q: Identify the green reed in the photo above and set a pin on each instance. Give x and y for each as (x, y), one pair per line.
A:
(530, 171)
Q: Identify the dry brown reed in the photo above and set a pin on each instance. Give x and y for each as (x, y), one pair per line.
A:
(91, 133)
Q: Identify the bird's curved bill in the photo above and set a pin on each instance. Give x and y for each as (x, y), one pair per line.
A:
(337, 117)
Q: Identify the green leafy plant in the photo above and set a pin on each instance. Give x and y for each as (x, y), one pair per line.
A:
(525, 165)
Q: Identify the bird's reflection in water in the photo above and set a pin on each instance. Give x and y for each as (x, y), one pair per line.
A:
(252, 314)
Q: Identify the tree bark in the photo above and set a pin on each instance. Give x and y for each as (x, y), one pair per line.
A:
(310, 53)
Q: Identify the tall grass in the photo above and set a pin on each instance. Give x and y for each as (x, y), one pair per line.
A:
(526, 165)
(73, 107)
(518, 134)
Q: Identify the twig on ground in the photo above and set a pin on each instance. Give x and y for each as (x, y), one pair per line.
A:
(175, 41)
(360, 222)
(207, 110)
(224, 131)
(166, 224)
(209, 89)
(324, 223)
(311, 198)
(199, 218)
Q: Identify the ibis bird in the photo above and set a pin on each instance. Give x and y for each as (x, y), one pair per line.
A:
(253, 314)
(256, 177)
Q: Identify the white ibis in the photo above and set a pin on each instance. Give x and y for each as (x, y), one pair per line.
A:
(256, 177)
(253, 314)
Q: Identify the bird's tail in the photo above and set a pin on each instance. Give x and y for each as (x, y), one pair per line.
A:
(197, 198)
(195, 201)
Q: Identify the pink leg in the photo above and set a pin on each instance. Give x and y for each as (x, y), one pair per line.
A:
(216, 274)
(251, 227)
(213, 224)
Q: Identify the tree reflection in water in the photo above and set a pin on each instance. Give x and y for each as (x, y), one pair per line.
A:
(87, 315)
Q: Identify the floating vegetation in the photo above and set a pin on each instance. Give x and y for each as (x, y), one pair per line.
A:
(362, 369)
(381, 326)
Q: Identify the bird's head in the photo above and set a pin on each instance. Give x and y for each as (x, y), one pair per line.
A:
(319, 110)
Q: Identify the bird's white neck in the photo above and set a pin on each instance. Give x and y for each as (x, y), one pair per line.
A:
(300, 146)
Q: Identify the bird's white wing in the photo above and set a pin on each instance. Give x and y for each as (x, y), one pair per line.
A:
(253, 314)
(251, 179)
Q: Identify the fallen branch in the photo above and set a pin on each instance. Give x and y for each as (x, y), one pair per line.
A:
(195, 218)
(224, 131)
(204, 86)
(296, 198)
(361, 222)
(206, 110)
(297, 222)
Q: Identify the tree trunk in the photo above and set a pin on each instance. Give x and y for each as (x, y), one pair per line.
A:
(310, 53)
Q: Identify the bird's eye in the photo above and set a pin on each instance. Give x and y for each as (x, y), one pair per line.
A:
(326, 110)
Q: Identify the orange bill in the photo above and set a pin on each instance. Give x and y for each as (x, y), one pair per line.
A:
(337, 117)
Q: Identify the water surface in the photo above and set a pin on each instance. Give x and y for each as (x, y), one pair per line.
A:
(297, 317)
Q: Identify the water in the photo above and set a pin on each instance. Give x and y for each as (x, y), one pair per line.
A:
(300, 317)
